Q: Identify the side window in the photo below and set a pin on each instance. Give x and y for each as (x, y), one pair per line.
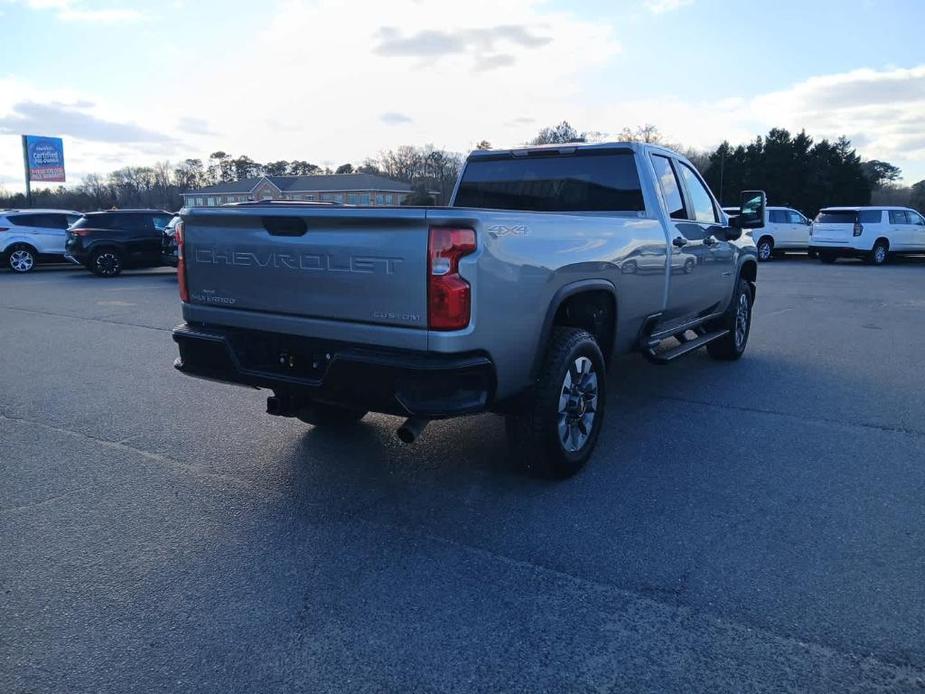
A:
(870, 216)
(796, 217)
(778, 217)
(161, 221)
(915, 218)
(671, 190)
(704, 211)
(26, 220)
(898, 217)
(58, 221)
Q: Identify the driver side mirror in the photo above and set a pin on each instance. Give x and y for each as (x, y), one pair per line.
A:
(752, 204)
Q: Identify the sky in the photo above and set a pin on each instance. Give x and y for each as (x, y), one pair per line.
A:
(332, 82)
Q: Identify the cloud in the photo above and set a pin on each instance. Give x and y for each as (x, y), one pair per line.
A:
(79, 103)
(76, 11)
(480, 65)
(32, 117)
(662, 6)
(491, 62)
(880, 111)
(884, 109)
(393, 118)
(195, 126)
(480, 43)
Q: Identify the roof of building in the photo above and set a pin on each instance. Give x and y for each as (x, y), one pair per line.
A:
(309, 184)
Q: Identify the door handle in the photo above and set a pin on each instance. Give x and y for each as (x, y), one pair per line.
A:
(710, 241)
(679, 241)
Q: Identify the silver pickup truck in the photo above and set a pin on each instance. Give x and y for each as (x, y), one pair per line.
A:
(511, 300)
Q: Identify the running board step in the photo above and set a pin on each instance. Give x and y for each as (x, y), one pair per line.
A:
(685, 347)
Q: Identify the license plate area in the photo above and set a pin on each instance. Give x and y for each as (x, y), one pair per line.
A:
(296, 358)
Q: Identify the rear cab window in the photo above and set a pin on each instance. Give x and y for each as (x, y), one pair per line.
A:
(583, 181)
(837, 217)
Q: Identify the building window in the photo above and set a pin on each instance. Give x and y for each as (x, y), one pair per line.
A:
(197, 202)
(210, 202)
(332, 197)
(358, 198)
(310, 196)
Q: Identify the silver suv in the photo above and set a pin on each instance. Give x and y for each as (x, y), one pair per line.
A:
(28, 237)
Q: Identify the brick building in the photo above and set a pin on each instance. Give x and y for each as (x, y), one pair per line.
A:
(352, 189)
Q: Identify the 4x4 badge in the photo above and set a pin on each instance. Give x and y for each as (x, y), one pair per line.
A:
(498, 230)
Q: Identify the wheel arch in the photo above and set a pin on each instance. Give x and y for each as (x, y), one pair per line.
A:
(580, 304)
(748, 271)
(16, 243)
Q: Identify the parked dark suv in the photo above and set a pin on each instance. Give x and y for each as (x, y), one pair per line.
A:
(107, 242)
(169, 254)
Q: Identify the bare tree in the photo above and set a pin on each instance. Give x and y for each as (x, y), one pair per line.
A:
(558, 134)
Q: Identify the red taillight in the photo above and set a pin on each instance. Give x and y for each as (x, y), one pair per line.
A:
(448, 300)
(181, 263)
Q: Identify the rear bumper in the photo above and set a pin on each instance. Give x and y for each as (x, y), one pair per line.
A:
(400, 382)
(838, 249)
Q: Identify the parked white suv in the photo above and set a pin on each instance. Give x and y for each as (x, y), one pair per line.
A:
(871, 233)
(785, 229)
(28, 237)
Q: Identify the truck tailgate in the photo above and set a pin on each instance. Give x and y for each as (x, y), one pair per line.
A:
(366, 265)
(833, 233)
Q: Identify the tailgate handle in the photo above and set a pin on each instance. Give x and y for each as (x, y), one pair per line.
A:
(284, 226)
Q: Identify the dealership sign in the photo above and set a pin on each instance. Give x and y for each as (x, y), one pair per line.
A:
(44, 158)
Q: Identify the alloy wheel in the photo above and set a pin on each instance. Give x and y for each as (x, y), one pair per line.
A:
(21, 260)
(107, 263)
(742, 311)
(578, 404)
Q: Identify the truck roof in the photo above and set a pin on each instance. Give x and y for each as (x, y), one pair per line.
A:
(570, 147)
(857, 208)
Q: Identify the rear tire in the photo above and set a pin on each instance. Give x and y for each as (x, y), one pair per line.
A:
(556, 434)
(21, 259)
(106, 263)
(324, 415)
(879, 254)
(765, 249)
(738, 321)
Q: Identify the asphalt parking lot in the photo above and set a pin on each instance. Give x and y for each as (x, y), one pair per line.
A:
(756, 526)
